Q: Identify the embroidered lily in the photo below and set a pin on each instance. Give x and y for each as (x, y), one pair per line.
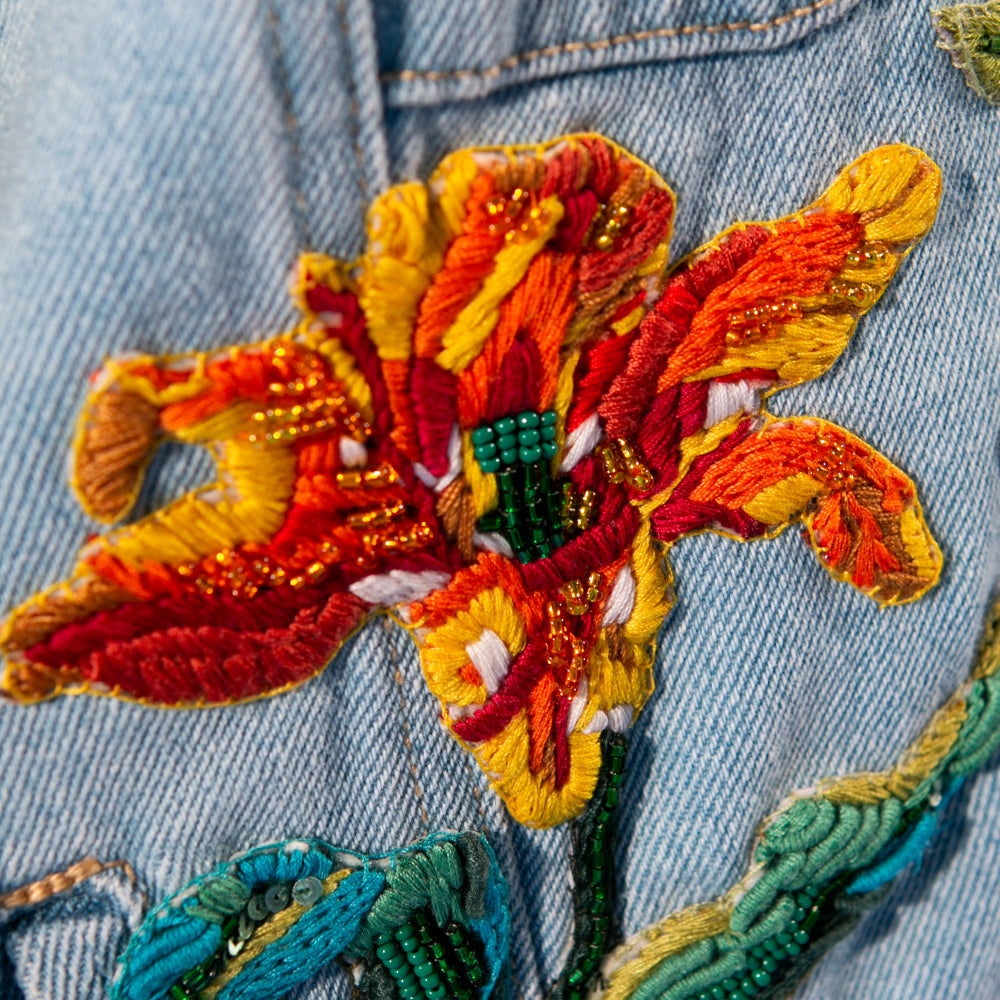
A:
(495, 424)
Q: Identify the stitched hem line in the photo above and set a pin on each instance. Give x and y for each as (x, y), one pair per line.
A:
(423, 86)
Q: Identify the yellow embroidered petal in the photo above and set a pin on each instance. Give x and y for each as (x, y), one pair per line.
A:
(874, 180)
(222, 426)
(920, 544)
(798, 351)
(444, 652)
(611, 683)
(654, 595)
(785, 500)
(531, 799)
(450, 186)
(913, 217)
(342, 364)
(405, 251)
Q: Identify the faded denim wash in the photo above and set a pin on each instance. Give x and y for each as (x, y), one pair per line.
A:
(161, 165)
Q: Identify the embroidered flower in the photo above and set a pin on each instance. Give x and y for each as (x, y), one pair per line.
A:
(496, 424)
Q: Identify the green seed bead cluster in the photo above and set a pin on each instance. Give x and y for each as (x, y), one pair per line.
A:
(599, 851)
(466, 954)
(195, 980)
(430, 937)
(991, 43)
(767, 958)
(527, 438)
(528, 512)
(424, 967)
(410, 964)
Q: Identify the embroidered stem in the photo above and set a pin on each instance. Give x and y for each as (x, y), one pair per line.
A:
(59, 882)
(425, 962)
(593, 838)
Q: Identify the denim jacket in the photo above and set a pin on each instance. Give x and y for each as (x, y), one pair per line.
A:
(161, 167)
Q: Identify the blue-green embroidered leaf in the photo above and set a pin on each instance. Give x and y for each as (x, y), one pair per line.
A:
(429, 922)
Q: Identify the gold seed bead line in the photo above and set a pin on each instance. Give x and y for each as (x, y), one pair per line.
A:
(376, 477)
(869, 256)
(285, 423)
(518, 217)
(621, 463)
(608, 224)
(837, 467)
(860, 295)
(760, 321)
(568, 653)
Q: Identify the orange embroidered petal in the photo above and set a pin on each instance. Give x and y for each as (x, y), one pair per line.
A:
(865, 522)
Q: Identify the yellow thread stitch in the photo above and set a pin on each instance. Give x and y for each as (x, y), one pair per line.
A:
(405, 251)
(466, 336)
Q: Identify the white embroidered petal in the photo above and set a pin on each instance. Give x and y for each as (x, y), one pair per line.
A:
(424, 476)
(398, 586)
(620, 718)
(621, 600)
(577, 705)
(491, 657)
(727, 398)
(492, 542)
(352, 453)
(456, 712)
(581, 441)
(454, 459)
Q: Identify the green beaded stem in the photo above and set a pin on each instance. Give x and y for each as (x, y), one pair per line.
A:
(195, 980)
(466, 955)
(431, 937)
(428, 963)
(519, 451)
(593, 837)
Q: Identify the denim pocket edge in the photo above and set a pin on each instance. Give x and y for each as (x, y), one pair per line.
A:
(414, 88)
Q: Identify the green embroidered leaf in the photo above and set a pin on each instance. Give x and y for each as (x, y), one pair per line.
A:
(970, 33)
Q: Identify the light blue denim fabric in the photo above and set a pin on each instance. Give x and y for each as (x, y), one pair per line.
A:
(161, 165)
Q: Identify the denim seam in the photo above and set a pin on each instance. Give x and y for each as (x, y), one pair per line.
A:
(354, 108)
(291, 123)
(363, 45)
(476, 794)
(407, 743)
(566, 48)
